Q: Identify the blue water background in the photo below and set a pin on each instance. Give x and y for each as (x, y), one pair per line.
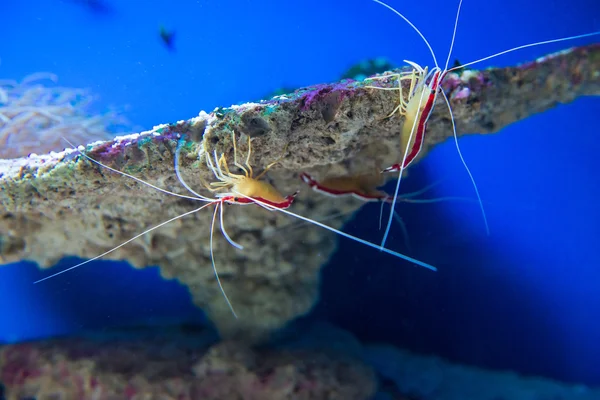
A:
(527, 297)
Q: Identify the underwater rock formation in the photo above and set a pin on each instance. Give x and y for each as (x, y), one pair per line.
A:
(178, 365)
(312, 361)
(61, 204)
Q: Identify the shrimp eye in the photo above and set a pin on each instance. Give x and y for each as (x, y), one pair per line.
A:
(236, 199)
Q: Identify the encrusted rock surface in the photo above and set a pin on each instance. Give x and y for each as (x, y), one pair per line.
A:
(179, 366)
(62, 204)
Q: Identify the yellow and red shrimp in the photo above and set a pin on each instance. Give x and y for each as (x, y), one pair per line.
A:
(417, 108)
(363, 187)
(243, 187)
(251, 188)
(412, 108)
(235, 189)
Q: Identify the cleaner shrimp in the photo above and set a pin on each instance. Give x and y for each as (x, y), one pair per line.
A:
(364, 187)
(229, 188)
(421, 98)
(247, 184)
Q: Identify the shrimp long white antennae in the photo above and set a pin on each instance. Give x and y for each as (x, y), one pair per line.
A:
(437, 69)
(212, 227)
(124, 243)
(344, 234)
(487, 227)
(454, 133)
(135, 178)
(229, 239)
(437, 200)
(421, 191)
(526, 46)
(397, 190)
(411, 25)
(212, 257)
(180, 177)
(381, 212)
(453, 36)
(403, 228)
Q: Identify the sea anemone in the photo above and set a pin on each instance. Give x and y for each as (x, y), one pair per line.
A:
(34, 117)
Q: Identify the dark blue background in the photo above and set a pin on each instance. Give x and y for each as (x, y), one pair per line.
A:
(527, 297)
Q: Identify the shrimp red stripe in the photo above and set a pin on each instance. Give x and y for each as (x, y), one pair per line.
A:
(317, 187)
(257, 200)
(421, 126)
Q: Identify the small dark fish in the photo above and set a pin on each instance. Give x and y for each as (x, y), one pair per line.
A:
(98, 7)
(168, 38)
(457, 64)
